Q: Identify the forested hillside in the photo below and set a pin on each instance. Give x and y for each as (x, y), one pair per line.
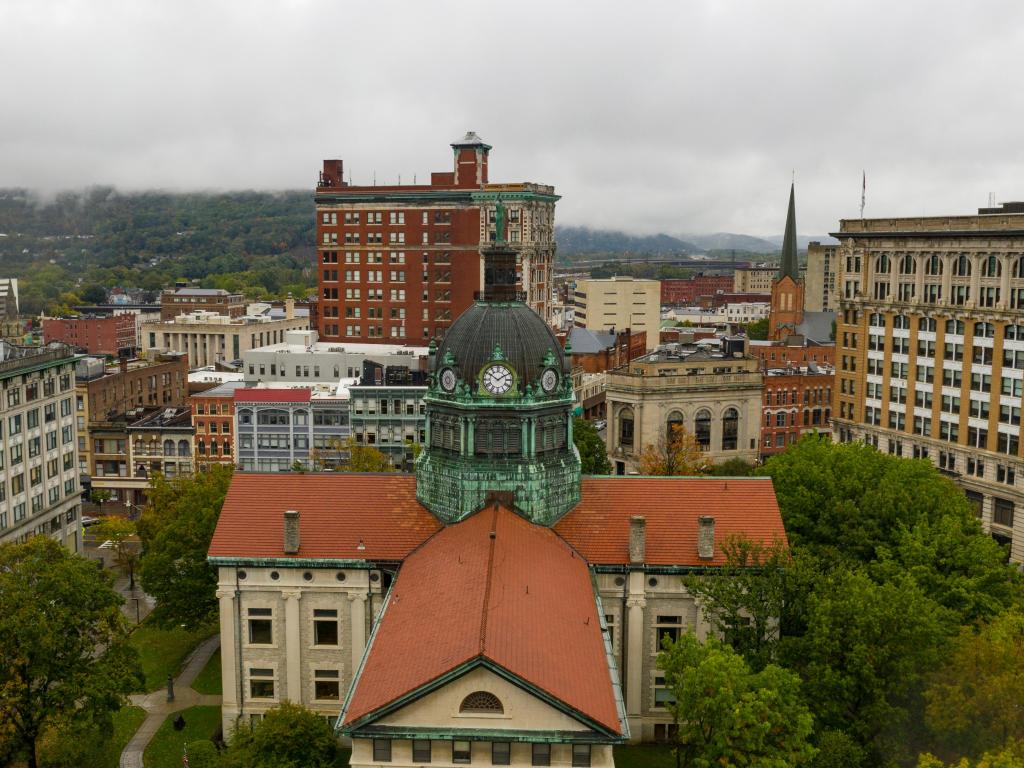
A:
(258, 242)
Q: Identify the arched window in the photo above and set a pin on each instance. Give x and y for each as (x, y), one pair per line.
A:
(626, 427)
(933, 266)
(702, 431)
(730, 429)
(1015, 333)
(1018, 269)
(245, 416)
(984, 331)
(302, 417)
(882, 264)
(227, 447)
(482, 703)
(962, 266)
(908, 265)
(991, 267)
(168, 447)
(954, 327)
(183, 448)
(901, 321)
(926, 324)
(674, 419)
(201, 446)
(877, 321)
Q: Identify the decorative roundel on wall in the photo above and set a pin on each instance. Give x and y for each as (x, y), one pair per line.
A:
(549, 380)
(448, 380)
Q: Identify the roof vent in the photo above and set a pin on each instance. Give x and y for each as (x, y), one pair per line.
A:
(291, 532)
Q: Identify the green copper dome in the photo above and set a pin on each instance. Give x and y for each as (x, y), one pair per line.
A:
(524, 340)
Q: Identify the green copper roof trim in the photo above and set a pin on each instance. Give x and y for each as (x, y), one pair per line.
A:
(482, 734)
(524, 194)
(298, 562)
(609, 652)
(454, 674)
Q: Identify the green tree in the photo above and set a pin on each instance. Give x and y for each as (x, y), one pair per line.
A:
(758, 330)
(744, 599)
(176, 528)
(732, 468)
(1010, 756)
(289, 736)
(728, 715)
(124, 544)
(865, 647)
(976, 698)
(65, 660)
(849, 502)
(593, 454)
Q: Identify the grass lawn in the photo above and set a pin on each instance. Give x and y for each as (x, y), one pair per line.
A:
(126, 722)
(208, 680)
(165, 750)
(644, 756)
(161, 651)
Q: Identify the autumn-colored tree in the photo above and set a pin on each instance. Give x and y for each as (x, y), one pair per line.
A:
(676, 454)
(364, 458)
(975, 698)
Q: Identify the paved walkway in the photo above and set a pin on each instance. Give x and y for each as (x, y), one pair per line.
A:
(158, 708)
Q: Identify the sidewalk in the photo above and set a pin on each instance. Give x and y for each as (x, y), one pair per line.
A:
(158, 708)
(137, 605)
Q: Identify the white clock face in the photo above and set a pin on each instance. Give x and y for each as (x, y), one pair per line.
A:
(497, 379)
(549, 380)
(448, 379)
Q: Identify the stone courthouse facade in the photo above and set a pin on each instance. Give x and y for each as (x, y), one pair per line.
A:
(495, 609)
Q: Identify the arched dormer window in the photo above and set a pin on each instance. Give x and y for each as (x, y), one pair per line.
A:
(481, 703)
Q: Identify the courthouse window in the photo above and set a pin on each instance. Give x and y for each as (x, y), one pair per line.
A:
(325, 626)
(260, 628)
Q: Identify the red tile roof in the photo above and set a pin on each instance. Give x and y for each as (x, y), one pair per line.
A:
(282, 395)
(522, 600)
(336, 512)
(599, 525)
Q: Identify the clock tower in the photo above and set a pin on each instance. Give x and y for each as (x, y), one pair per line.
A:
(499, 409)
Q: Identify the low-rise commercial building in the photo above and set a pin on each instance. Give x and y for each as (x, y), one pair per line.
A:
(279, 429)
(183, 301)
(39, 492)
(162, 442)
(390, 418)
(209, 338)
(301, 357)
(689, 290)
(213, 416)
(113, 335)
(110, 398)
(797, 400)
(712, 389)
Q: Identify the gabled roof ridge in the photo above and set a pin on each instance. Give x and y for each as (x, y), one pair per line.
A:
(487, 585)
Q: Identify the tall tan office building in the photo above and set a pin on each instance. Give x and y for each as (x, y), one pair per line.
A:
(820, 289)
(931, 350)
(619, 303)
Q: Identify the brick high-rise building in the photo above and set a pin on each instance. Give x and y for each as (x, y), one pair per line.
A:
(112, 335)
(403, 261)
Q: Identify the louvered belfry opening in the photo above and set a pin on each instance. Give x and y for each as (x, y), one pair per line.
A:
(500, 274)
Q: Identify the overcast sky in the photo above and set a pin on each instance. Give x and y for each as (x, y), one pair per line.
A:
(676, 117)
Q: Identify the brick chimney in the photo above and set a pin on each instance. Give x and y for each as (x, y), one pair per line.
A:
(291, 532)
(705, 537)
(637, 539)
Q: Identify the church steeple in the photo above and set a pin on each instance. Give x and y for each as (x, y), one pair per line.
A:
(789, 266)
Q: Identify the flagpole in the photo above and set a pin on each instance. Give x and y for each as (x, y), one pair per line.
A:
(863, 191)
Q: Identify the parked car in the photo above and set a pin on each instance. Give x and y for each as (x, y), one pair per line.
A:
(87, 521)
(601, 424)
